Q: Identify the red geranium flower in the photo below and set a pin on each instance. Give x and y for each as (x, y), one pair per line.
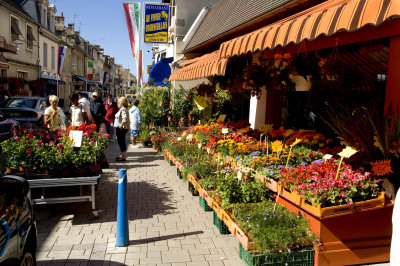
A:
(29, 151)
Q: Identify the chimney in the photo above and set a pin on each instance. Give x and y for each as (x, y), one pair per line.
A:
(71, 27)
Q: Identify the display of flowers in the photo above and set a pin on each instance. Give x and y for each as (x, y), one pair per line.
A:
(45, 150)
(318, 183)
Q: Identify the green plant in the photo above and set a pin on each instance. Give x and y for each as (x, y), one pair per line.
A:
(144, 133)
(183, 104)
(154, 107)
(271, 227)
(232, 190)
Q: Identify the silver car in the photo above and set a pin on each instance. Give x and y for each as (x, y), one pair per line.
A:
(24, 109)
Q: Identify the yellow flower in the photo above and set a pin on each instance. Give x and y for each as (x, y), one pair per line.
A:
(276, 146)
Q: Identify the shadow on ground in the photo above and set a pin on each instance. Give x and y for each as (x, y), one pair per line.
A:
(144, 201)
(160, 238)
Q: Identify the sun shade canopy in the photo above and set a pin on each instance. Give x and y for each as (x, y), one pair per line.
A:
(202, 67)
(326, 19)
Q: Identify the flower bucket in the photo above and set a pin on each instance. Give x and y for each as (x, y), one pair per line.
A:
(30, 171)
(94, 168)
(10, 171)
(79, 171)
(65, 172)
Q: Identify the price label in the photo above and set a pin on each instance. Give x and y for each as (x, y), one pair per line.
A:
(225, 130)
(76, 136)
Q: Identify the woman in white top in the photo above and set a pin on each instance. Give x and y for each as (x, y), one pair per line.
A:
(78, 116)
(52, 115)
(123, 125)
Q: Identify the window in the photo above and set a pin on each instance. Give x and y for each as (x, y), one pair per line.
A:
(22, 75)
(15, 31)
(45, 55)
(29, 37)
(53, 58)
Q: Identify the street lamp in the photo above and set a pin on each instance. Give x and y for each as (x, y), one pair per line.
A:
(17, 42)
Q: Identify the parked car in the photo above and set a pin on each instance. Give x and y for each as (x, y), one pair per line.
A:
(24, 109)
(18, 236)
(7, 127)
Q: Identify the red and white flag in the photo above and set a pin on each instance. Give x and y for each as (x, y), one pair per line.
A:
(132, 15)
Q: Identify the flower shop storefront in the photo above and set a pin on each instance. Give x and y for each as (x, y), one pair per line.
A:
(331, 69)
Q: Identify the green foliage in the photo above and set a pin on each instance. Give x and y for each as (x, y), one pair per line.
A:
(202, 171)
(233, 190)
(211, 183)
(154, 106)
(183, 104)
(144, 133)
(272, 230)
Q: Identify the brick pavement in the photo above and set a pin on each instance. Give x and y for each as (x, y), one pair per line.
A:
(166, 224)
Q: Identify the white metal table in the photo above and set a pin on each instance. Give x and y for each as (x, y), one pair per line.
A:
(65, 182)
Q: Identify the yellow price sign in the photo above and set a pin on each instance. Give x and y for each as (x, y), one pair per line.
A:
(266, 128)
(201, 102)
(221, 118)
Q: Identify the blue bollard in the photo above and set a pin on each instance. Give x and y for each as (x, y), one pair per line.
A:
(122, 210)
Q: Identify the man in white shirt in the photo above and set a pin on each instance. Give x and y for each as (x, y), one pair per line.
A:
(86, 107)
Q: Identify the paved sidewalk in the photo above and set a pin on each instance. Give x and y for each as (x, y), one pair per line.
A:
(166, 224)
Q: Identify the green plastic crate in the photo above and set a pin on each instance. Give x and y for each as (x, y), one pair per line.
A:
(204, 205)
(192, 189)
(222, 228)
(300, 257)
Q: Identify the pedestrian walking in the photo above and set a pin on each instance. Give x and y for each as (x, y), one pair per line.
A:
(97, 110)
(86, 107)
(78, 116)
(111, 109)
(123, 126)
(135, 117)
(52, 115)
(63, 116)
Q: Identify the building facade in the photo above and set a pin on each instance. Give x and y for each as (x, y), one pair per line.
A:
(20, 30)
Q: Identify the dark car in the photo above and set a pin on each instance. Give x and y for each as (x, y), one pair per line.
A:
(17, 224)
(24, 109)
(7, 127)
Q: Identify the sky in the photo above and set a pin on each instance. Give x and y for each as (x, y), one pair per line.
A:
(103, 22)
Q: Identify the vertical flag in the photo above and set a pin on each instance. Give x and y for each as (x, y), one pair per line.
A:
(105, 77)
(140, 64)
(132, 15)
(61, 54)
(89, 70)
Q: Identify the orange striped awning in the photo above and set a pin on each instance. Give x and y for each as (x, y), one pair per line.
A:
(204, 66)
(326, 19)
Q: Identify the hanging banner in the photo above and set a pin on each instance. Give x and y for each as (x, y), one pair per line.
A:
(156, 23)
(132, 15)
(89, 70)
(61, 55)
